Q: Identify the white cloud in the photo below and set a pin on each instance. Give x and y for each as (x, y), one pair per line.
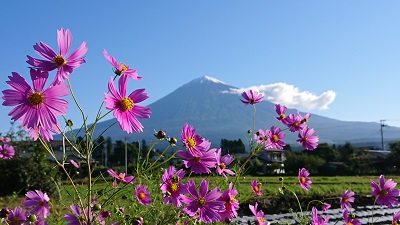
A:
(291, 96)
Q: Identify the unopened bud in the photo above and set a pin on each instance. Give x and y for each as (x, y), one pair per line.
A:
(249, 131)
(32, 218)
(97, 207)
(160, 135)
(69, 123)
(173, 141)
(280, 178)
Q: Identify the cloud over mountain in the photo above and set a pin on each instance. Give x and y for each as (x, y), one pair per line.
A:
(291, 96)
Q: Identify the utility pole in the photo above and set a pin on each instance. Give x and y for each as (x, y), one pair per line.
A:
(382, 125)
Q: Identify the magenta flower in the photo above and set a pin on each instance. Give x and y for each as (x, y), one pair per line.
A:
(35, 106)
(125, 108)
(304, 180)
(251, 97)
(171, 186)
(396, 218)
(294, 122)
(275, 139)
(281, 110)
(204, 203)
(17, 216)
(350, 219)
(45, 134)
(385, 193)
(256, 187)
(194, 143)
(222, 163)
(39, 202)
(199, 163)
(120, 177)
(6, 151)
(75, 164)
(306, 139)
(326, 206)
(121, 68)
(347, 197)
(79, 216)
(64, 64)
(259, 215)
(318, 220)
(231, 204)
(4, 139)
(261, 137)
(142, 194)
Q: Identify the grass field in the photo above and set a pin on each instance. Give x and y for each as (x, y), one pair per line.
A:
(332, 186)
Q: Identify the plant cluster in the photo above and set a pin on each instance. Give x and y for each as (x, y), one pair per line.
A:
(184, 199)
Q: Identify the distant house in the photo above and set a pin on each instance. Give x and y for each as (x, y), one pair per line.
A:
(268, 157)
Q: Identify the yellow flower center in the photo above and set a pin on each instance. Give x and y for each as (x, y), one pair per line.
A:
(82, 218)
(397, 222)
(36, 98)
(295, 124)
(252, 101)
(275, 138)
(256, 188)
(282, 116)
(124, 67)
(384, 192)
(305, 139)
(191, 142)
(233, 199)
(142, 195)
(303, 179)
(349, 223)
(345, 199)
(59, 60)
(41, 203)
(174, 187)
(262, 219)
(126, 104)
(222, 166)
(121, 176)
(201, 201)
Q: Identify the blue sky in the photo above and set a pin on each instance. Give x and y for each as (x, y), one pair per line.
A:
(339, 59)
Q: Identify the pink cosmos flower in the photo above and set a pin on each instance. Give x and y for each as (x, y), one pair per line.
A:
(294, 122)
(281, 110)
(6, 151)
(396, 218)
(304, 180)
(4, 139)
(64, 64)
(326, 206)
(349, 219)
(318, 220)
(251, 97)
(171, 186)
(75, 164)
(261, 137)
(199, 163)
(275, 139)
(78, 216)
(39, 202)
(222, 163)
(385, 193)
(142, 194)
(121, 68)
(306, 139)
(194, 143)
(256, 187)
(231, 204)
(120, 177)
(125, 108)
(204, 203)
(35, 107)
(259, 215)
(347, 197)
(45, 134)
(17, 216)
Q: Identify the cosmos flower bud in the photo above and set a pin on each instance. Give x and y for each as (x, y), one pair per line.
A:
(173, 141)
(69, 123)
(97, 207)
(160, 135)
(32, 218)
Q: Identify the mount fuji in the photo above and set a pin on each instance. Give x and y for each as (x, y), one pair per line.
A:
(209, 105)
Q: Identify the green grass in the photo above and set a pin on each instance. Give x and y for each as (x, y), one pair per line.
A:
(332, 186)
